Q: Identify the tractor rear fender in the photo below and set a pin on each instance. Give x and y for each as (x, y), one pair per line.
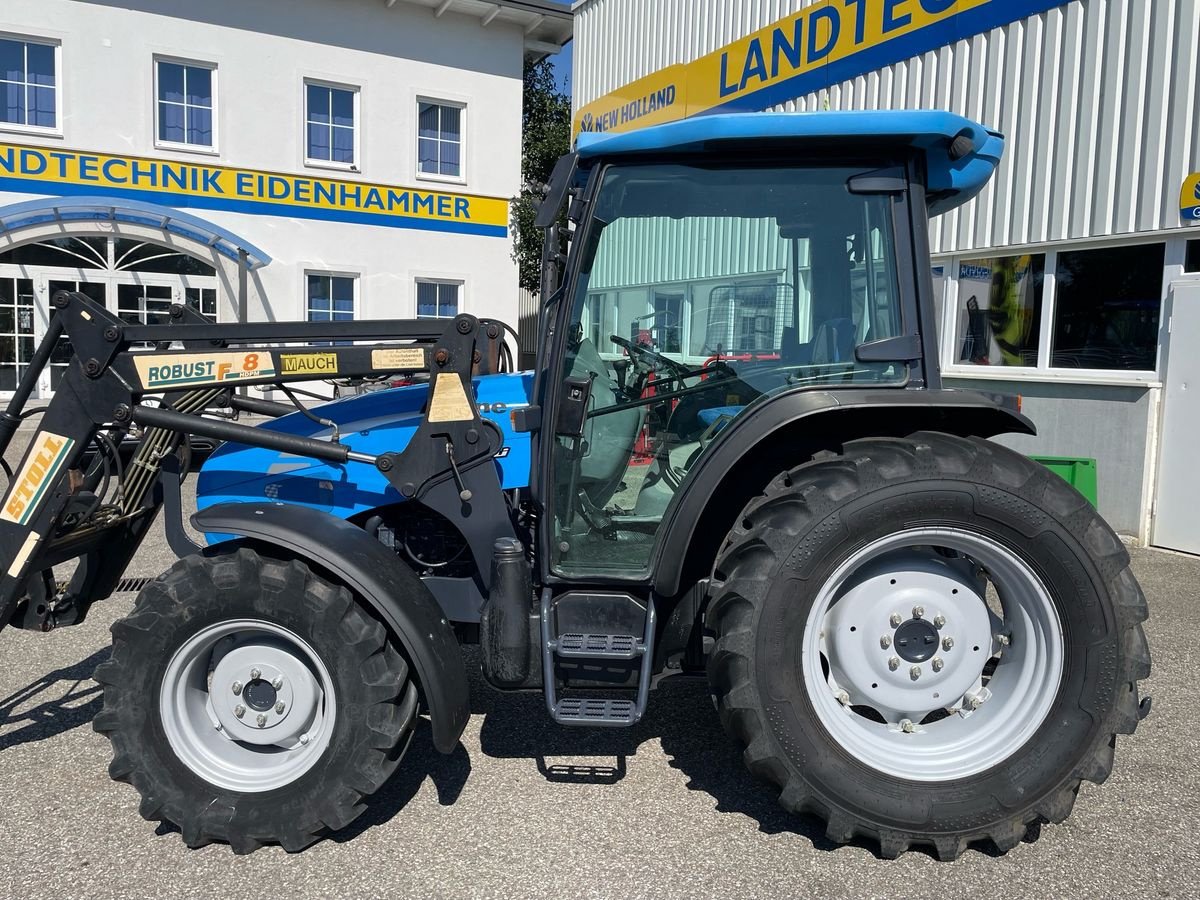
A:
(785, 431)
(391, 590)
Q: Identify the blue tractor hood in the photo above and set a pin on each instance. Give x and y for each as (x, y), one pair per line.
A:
(956, 170)
(372, 423)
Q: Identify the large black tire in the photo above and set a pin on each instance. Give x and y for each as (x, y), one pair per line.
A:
(789, 541)
(376, 700)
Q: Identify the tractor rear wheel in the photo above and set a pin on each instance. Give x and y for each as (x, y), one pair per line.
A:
(928, 641)
(249, 700)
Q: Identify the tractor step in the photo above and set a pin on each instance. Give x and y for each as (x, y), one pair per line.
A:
(604, 646)
(595, 654)
(595, 711)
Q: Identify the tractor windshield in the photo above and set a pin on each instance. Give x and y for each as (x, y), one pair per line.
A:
(700, 291)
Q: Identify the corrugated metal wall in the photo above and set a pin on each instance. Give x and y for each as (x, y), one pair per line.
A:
(1098, 99)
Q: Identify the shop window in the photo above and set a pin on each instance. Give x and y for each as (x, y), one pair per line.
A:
(1107, 307)
(999, 310)
(439, 139)
(437, 299)
(29, 83)
(1191, 262)
(72, 252)
(141, 256)
(203, 300)
(330, 297)
(330, 116)
(186, 106)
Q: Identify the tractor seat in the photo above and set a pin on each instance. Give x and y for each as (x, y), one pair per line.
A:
(714, 414)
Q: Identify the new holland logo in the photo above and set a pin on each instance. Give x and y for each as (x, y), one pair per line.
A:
(308, 363)
(172, 370)
(42, 464)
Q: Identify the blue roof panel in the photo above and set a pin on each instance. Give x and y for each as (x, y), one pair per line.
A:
(951, 183)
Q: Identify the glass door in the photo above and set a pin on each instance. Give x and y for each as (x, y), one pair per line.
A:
(97, 290)
(16, 329)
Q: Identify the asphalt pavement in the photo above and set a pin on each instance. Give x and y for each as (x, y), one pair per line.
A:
(667, 811)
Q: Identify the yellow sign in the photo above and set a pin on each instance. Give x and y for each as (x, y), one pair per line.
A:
(308, 363)
(53, 170)
(42, 463)
(823, 44)
(449, 402)
(167, 371)
(1189, 199)
(398, 358)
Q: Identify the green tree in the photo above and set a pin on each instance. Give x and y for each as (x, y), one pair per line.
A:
(545, 136)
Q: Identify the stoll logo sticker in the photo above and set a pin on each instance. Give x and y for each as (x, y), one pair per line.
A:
(308, 363)
(1189, 199)
(167, 370)
(39, 471)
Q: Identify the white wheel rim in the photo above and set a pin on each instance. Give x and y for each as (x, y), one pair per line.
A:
(247, 705)
(946, 714)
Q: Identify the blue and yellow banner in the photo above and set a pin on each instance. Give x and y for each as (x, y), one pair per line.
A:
(1189, 199)
(49, 170)
(824, 44)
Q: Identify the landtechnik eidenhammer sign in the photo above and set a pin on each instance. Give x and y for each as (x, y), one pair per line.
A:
(67, 172)
(822, 45)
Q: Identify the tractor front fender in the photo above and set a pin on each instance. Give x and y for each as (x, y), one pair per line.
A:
(784, 432)
(389, 588)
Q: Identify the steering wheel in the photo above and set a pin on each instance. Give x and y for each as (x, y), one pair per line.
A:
(651, 359)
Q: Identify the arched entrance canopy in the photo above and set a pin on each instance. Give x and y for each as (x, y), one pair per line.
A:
(172, 221)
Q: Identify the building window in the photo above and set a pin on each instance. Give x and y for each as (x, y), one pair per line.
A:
(186, 106)
(29, 83)
(1107, 306)
(330, 116)
(1191, 262)
(203, 300)
(331, 297)
(439, 139)
(999, 311)
(437, 299)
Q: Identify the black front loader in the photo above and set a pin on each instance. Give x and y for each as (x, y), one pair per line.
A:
(84, 490)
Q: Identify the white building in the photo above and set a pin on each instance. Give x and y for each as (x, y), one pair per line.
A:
(1070, 279)
(318, 158)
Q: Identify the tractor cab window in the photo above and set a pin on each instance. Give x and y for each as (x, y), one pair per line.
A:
(702, 291)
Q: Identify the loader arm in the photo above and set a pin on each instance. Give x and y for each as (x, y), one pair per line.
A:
(72, 496)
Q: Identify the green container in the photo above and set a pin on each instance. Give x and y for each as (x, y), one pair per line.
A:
(1079, 473)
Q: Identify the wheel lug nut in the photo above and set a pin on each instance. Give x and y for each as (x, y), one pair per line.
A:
(279, 707)
(261, 720)
(278, 682)
(914, 673)
(896, 620)
(1003, 640)
(907, 726)
(939, 621)
(974, 703)
(236, 687)
(255, 674)
(918, 611)
(894, 663)
(937, 664)
(239, 710)
(843, 698)
(885, 641)
(304, 739)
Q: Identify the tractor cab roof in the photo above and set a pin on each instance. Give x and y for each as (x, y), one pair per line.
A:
(960, 155)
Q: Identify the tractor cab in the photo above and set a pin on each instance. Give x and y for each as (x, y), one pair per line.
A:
(715, 265)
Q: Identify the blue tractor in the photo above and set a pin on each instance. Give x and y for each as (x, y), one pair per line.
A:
(734, 458)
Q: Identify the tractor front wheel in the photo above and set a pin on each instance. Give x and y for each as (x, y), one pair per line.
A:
(251, 701)
(926, 641)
